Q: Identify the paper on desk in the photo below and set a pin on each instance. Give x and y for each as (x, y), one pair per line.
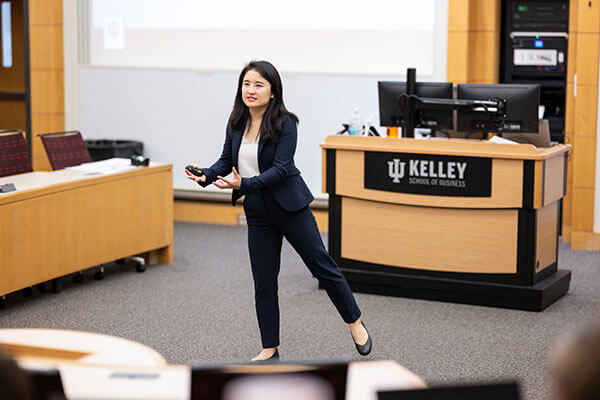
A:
(498, 139)
(110, 166)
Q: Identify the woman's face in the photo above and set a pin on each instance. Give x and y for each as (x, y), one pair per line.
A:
(256, 90)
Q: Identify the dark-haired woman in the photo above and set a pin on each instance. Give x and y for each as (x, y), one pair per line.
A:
(260, 143)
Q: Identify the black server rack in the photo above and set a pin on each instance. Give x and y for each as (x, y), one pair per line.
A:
(533, 49)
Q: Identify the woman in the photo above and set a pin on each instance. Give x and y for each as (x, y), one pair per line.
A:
(260, 142)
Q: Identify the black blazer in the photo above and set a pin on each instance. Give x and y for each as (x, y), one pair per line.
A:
(278, 173)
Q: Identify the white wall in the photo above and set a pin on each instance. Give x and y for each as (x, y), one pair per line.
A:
(180, 114)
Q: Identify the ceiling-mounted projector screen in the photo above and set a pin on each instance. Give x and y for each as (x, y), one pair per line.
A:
(381, 37)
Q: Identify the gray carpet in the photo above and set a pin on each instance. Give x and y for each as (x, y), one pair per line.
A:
(201, 309)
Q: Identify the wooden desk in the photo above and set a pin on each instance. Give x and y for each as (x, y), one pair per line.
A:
(453, 220)
(95, 366)
(65, 221)
(58, 346)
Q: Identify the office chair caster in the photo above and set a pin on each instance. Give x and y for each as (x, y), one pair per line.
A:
(28, 291)
(56, 285)
(99, 275)
(140, 263)
(78, 277)
(3, 302)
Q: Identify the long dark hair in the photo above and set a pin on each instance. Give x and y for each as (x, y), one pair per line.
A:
(271, 122)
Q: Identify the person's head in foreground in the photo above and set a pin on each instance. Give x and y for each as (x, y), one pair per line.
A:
(575, 365)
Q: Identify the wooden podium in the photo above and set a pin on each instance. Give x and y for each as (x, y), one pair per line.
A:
(447, 219)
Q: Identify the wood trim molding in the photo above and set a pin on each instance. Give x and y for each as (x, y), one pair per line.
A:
(584, 240)
(222, 213)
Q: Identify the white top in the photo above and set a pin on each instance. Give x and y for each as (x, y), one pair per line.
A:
(248, 159)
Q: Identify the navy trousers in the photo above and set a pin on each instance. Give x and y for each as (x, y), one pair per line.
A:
(268, 224)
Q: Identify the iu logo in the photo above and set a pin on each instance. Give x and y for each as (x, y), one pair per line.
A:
(396, 170)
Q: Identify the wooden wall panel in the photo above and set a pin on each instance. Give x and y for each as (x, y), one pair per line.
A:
(47, 94)
(583, 209)
(46, 75)
(13, 114)
(457, 70)
(458, 16)
(582, 240)
(567, 207)
(473, 41)
(46, 47)
(586, 106)
(588, 16)
(483, 69)
(583, 176)
(43, 12)
(586, 240)
(484, 15)
(587, 59)
(573, 15)
(581, 121)
(570, 109)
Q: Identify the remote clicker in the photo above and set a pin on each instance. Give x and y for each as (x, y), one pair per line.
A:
(194, 170)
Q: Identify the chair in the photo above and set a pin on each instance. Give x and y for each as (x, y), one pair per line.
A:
(65, 149)
(14, 157)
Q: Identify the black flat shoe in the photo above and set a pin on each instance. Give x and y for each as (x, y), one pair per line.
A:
(274, 357)
(364, 349)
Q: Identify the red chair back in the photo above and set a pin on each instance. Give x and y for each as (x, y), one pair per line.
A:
(14, 157)
(65, 149)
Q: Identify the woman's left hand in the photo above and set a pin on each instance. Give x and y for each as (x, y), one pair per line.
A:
(233, 183)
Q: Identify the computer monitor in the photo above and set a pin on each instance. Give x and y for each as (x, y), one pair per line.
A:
(492, 391)
(520, 113)
(321, 380)
(46, 383)
(391, 114)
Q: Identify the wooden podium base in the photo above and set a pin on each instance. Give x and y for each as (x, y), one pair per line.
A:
(531, 298)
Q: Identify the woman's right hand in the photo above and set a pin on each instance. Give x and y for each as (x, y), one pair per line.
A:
(197, 179)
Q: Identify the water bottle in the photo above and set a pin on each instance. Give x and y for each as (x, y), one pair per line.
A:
(355, 124)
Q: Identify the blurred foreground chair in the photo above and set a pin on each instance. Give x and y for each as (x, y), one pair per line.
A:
(65, 149)
(14, 157)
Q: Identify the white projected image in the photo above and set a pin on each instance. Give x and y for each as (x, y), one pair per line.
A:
(392, 15)
(334, 36)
